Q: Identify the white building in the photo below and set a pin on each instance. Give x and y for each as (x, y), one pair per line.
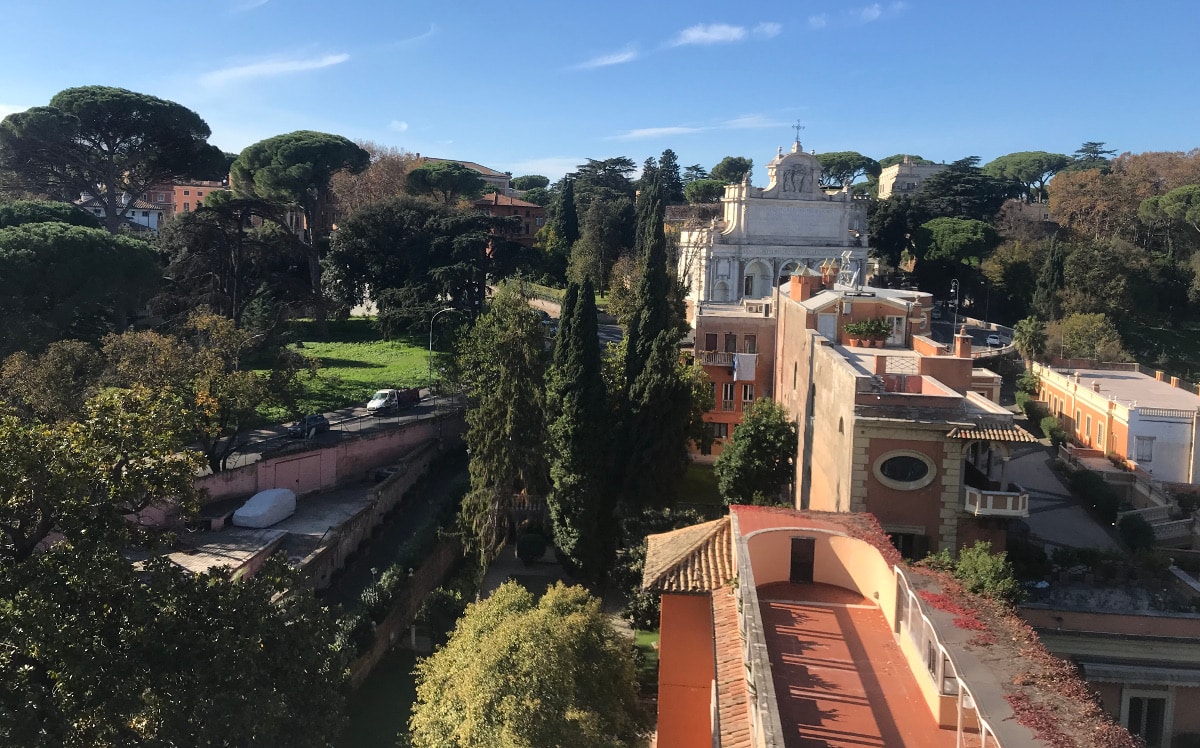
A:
(905, 178)
(140, 214)
(767, 234)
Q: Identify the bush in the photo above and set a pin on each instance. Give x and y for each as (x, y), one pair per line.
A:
(1136, 532)
(1095, 492)
(377, 600)
(988, 574)
(642, 611)
(439, 611)
(356, 633)
(1053, 431)
(531, 547)
(1029, 382)
(1035, 412)
(1022, 400)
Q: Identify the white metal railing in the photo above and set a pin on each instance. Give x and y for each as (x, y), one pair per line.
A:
(996, 503)
(715, 358)
(1151, 514)
(1181, 528)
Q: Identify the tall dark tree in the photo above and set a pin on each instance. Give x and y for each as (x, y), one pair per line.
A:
(658, 404)
(503, 363)
(108, 142)
(892, 225)
(601, 242)
(1046, 301)
(962, 190)
(840, 168)
(694, 172)
(449, 181)
(1030, 169)
(755, 467)
(672, 182)
(580, 459)
(295, 170)
(1092, 155)
(229, 254)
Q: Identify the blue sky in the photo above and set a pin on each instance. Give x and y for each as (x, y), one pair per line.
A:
(539, 86)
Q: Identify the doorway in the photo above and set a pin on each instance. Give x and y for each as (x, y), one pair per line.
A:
(804, 554)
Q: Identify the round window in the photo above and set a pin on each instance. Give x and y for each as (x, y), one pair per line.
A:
(906, 470)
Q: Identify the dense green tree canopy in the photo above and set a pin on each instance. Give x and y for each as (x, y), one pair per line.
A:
(1029, 337)
(449, 181)
(672, 181)
(694, 172)
(530, 181)
(841, 168)
(53, 385)
(956, 240)
(755, 466)
(732, 169)
(1091, 155)
(898, 158)
(962, 190)
(1030, 169)
(523, 674)
(37, 211)
(106, 142)
(700, 191)
(229, 255)
(63, 281)
(538, 196)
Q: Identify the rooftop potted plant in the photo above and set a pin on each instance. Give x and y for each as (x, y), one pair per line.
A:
(857, 331)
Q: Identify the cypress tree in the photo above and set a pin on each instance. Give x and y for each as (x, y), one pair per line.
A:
(1049, 282)
(653, 315)
(580, 500)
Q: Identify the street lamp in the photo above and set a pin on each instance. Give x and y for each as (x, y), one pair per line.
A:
(987, 304)
(954, 291)
(431, 319)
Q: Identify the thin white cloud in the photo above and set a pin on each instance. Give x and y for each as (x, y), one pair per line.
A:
(649, 133)
(245, 5)
(269, 69)
(397, 125)
(870, 13)
(768, 29)
(818, 21)
(751, 122)
(713, 33)
(629, 54)
(744, 122)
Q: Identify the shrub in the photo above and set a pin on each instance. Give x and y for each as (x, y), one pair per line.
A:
(642, 611)
(1095, 492)
(1053, 431)
(1136, 532)
(1029, 382)
(1022, 400)
(377, 600)
(439, 610)
(531, 547)
(356, 632)
(988, 574)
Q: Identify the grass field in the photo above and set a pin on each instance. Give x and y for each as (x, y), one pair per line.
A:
(557, 293)
(355, 362)
(647, 645)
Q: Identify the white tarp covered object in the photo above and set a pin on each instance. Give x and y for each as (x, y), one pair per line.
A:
(265, 508)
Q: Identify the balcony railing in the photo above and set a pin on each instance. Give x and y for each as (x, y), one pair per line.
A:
(715, 358)
(983, 503)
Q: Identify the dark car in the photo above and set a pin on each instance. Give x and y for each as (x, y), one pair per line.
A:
(314, 424)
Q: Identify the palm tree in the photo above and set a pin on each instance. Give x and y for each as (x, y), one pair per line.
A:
(1029, 337)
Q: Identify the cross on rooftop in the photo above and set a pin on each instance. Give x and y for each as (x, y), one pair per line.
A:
(798, 127)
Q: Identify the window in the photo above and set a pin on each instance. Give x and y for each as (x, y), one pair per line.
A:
(718, 430)
(1145, 714)
(1145, 449)
(750, 344)
(905, 470)
(730, 342)
(1087, 429)
(199, 193)
(1099, 436)
(187, 192)
(931, 654)
(710, 341)
(187, 207)
(727, 396)
(539, 221)
(949, 679)
(1077, 415)
(747, 393)
(795, 373)
(145, 214)
(748, 286)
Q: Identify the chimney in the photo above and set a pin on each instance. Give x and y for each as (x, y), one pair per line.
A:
(804, 285)
(880, 365)
(1076, 377)
(1159, 375)
(1174, 381)
(1095, 386)
(962, 345)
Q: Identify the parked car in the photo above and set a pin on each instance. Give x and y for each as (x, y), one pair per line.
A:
(385, 401)
(265, 508)
(993, 340)
(314, 424)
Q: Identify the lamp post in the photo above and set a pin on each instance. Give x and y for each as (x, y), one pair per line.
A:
(431, 319)
(987, 304)
(954, 291)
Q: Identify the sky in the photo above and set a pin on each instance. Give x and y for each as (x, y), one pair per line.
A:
(539, 86)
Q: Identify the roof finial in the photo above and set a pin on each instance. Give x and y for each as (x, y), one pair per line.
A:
(798, 127)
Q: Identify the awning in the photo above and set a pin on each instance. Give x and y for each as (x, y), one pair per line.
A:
(992, 434)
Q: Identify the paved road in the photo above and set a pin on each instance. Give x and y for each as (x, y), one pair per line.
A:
(942, 330)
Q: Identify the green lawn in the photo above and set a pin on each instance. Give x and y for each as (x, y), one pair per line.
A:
(557, 294)
(355, 362)
(647, 645)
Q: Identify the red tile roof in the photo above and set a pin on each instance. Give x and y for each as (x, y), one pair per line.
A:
(733, 701)
(497, 199)
(693, 559)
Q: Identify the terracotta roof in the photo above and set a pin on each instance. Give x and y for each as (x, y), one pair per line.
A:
(1007, 434)
(733, 702)
(497, 199)
(692, 559)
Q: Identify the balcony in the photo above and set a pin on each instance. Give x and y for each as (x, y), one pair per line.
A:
(988, 503)
(715, 358)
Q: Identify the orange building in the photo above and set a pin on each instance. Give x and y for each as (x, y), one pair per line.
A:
(532, 215)
(908, 431)
(1150, 422)
(735, 344)
(782, 627)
